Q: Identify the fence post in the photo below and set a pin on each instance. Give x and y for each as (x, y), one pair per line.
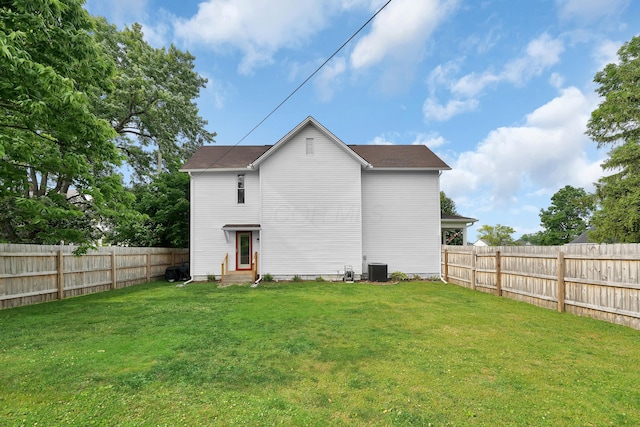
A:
(60, 274)
(561, 284)
(473, 268)
(498, 274)
(446, 265)
(148, 267)
(114, 282)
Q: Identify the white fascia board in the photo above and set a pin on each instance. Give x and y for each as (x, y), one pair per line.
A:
(295, 130)
(456, 224)
(244, 169)
(399, 169)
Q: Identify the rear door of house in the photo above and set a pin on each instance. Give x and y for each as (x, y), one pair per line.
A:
(243, 250)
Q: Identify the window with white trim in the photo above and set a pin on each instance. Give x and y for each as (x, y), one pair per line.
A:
(240, 187)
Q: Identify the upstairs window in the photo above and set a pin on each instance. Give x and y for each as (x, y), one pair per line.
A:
(240, 185)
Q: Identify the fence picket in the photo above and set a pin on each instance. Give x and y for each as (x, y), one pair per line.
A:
(599, 281)
(31, 274)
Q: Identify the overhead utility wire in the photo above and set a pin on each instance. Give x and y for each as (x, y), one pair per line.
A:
(305, 81)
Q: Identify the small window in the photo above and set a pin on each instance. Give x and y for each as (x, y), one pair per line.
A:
(241, 189)
(309, 146)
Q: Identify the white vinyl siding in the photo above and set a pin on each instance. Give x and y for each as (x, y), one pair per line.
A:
(401, 221)
(214, 204)
(311, 209)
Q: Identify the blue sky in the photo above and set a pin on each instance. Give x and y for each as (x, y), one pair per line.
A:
(499, 89)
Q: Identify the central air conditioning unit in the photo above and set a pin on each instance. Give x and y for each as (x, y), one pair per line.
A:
(377, 272)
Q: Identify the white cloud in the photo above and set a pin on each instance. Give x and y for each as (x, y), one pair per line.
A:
(556, 80)
(606, 52)
(328, 80)
(590, 10)
(156, 35)
(258, 28)
(560, 111)
(547, 152)
(120, 12)
(217, 92)
(431, 140)
(540, 54)
(381, 140)
(473, 84)
(402, 27)
(434, 111)
(441, 75)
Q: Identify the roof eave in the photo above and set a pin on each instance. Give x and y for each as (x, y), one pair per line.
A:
(201, 170)
(399, 168)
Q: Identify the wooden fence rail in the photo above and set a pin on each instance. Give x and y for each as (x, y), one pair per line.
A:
(599, 281)
(31, 274)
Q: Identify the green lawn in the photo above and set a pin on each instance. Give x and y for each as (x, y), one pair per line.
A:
(312, 354)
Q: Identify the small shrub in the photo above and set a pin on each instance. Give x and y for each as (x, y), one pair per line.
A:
(434, 279)
(211, 277)
(399, 276)
(416, 277)
(268, 278)
(296, 278)
(320, 279)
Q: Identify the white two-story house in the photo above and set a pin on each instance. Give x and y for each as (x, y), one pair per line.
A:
(312, 206)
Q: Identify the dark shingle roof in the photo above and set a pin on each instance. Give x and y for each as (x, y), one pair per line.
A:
(379, 156)
(222, 157)
(399, 156)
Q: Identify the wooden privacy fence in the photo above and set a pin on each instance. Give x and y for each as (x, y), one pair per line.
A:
(31, 274)
(599, 281)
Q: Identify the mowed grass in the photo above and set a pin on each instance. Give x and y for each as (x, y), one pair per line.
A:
(416, 353)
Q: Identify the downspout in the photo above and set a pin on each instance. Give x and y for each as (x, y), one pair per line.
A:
(191, 214)
(440, 253)
(185, 283)
(257, 282)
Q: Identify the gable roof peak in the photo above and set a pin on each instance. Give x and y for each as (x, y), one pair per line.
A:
(293, 132)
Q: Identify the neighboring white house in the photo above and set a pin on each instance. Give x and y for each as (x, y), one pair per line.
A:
(480, 242)
(310, 205)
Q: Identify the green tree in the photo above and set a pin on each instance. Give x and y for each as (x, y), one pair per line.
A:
(618, 196)
(51, 141)
(498, 235)
(447, 205)
(567, 217)
(616, 124)
(163, 220)
(533, 239)
(152, 106)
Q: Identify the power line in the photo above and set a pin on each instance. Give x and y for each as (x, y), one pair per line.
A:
(304, 82)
